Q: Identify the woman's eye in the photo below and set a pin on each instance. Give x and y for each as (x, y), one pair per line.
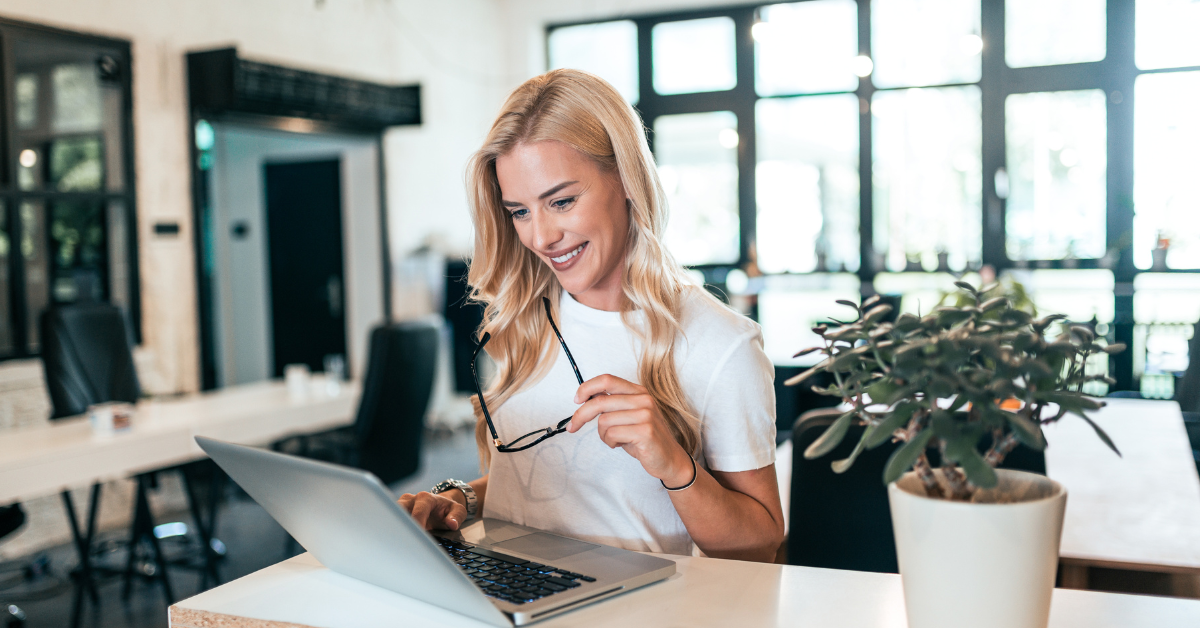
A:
(562, 203)
(519, 213)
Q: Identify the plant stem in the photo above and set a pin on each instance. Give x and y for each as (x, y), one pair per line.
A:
(961, 488)
(1001, 447)
(928, 479)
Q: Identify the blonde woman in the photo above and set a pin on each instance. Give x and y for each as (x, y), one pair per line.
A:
(669, 435)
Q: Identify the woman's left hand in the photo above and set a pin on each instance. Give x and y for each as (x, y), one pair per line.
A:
(628, 417)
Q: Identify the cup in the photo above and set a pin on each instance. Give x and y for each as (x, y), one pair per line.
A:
(296, 376)
(111, 417)
(335, 373)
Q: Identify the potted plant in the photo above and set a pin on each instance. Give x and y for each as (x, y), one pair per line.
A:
(976, 546)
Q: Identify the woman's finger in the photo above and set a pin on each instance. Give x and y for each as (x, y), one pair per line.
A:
(610, 420)
(606, 384)
(623, 435)
(421, 509)
(605, 404)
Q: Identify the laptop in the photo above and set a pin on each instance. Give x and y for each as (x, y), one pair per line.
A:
(493, 571)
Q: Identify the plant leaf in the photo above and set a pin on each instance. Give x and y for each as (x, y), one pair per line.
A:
(966, 286)
(832, 437)
(1028, 432)
(899, 416)
(979, 472)
(806, 351)
(847, 303)
(1101, 433)
(903, 458)
(841, 466)
(792, 381)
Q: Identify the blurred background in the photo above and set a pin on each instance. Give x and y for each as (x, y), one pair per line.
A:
(259, 183)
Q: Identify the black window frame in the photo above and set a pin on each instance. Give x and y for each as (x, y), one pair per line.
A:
(11, 197)
(1115, 75)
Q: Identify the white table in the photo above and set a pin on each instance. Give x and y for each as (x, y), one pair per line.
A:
(62, 454)
(705, 592)
(1140, 511)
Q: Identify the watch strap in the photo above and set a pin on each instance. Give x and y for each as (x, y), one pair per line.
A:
(466, 489)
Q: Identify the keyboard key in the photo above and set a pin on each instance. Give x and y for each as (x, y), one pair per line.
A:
(570, 584)
(497, 556)
(587, 578)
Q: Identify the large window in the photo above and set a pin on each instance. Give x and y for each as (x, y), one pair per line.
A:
(66, 183)
(886, 137)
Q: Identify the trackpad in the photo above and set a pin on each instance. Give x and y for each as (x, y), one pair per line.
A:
(545, 546)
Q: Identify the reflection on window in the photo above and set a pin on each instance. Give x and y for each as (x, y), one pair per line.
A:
(807, 180)
(1166, 225)
(77, 106)
(925, 42)
(1166, 33)
(928, 178)
(806, 47)
(697, 161)
(1166, 308)
(1057, 159)
(608, 50)
(27, 101)
(6, 331)
(790, 305)
(920, 292)
(76, 164)
(694, 56)
(78, 245)
(37, 268)
(1034, 32)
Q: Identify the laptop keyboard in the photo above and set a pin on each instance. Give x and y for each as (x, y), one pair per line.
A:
(507, 577)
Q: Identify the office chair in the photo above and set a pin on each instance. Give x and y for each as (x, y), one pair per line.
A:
(12, 517)
(388, 430)
(843, 521)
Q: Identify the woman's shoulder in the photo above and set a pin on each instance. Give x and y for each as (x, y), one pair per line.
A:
(706, 320)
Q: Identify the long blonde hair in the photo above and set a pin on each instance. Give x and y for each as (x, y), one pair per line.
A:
(586, 113)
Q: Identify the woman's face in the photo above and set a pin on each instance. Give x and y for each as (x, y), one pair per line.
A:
(571, 214)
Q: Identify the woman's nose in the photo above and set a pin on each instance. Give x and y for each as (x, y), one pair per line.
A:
(545, 231)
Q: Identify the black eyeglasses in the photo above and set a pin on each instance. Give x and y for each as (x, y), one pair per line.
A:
(541, 434)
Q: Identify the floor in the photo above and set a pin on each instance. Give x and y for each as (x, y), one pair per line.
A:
(252, 538)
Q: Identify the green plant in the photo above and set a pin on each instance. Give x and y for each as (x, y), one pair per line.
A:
(949, 380)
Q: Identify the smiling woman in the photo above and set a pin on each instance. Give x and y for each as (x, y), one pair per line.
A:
(670, 442)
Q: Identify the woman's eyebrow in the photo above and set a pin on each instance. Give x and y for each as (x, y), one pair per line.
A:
(543, 194)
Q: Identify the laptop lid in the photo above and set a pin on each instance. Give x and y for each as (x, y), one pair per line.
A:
(351, 523)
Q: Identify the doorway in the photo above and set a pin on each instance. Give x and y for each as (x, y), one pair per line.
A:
(304, 240)
(293, 251)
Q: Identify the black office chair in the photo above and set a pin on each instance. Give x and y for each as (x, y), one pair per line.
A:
(389, 428)
(843, 521)
(12, 517)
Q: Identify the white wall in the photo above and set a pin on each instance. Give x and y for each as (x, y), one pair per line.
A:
(453, 48)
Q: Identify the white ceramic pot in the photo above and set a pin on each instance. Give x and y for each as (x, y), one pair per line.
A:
(988, 563)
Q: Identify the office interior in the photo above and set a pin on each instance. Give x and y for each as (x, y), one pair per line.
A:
(154, 157)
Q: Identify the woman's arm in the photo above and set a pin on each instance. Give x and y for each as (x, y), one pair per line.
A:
(444, 511)
(728, 515)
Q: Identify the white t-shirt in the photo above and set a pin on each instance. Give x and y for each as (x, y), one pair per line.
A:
(574, 485)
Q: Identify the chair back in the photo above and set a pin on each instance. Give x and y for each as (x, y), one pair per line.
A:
(843, 521)
(86, 357)
(395, 397)
(1188, 394)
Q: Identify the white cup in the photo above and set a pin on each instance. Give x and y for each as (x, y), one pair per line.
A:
(296, 376)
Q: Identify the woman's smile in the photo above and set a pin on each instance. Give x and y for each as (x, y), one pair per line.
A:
(568, 259)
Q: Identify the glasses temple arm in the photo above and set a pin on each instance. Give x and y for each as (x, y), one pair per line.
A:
(479, 389)
(571, 358)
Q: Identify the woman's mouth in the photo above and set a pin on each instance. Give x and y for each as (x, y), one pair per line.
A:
(568, 259)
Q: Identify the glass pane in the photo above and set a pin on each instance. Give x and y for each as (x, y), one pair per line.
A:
(1166, 225)
(37, 268)
(117, 263)
(6, 329)
(1166, 298)
(790, 305)
(697, 160)
(925, 42)
(928, 178)
(1081, 294)
(79, 248)
(1057, 160)
(1034, 33)
(608, 50)
(920, 292)
(694, 56)
(806, 47)
(1166, 307)
(69, 116)
(807, 180)
(1166, 33)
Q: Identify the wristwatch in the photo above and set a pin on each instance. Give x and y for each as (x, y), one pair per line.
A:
(466, 489)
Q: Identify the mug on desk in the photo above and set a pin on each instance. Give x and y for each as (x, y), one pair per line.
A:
(111, 417)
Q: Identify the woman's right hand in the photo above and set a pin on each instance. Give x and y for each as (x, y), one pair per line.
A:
(435, 512)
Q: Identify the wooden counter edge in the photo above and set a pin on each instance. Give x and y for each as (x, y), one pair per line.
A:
(180, 617)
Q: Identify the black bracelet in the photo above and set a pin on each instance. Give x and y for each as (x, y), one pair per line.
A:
(688, 485)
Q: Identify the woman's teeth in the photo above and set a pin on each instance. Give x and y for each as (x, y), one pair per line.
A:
(559, 260)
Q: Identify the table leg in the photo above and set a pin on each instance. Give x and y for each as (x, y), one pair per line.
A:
(83, 544)
(143, 528)
(202, 527)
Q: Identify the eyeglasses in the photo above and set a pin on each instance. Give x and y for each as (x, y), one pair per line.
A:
(542, 434)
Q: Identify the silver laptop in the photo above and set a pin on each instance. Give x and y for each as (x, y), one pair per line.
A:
(496, 572)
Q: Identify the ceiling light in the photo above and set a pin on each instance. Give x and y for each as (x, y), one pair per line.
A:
(28, 158)
(728, 138)
(862, 66)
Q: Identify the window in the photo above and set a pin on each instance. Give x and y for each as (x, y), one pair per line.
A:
(891, 139)
(608, 50)
(67, 212)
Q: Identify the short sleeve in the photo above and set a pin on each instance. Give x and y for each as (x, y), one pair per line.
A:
(738, 414)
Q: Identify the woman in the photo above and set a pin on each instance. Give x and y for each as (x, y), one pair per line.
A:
(671, 438)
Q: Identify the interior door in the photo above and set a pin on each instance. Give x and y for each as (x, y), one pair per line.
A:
(304, 223)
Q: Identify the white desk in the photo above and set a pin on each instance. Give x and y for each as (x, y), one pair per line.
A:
(63, 454)
(705, 592)
(1140, 511)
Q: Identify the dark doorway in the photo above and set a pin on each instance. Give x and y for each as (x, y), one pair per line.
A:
(304, 227)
